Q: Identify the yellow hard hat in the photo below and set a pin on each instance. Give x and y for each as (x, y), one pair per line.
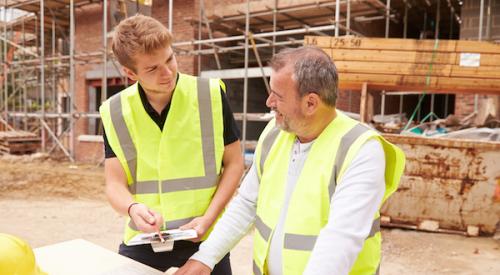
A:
(16, 257)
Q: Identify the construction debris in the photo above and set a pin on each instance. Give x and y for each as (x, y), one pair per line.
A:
(18, 142)
(485, 134)
(472, 231)
(469, 127)
(497, 233)
(429, 225)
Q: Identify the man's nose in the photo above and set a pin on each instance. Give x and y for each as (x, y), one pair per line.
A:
(165, 70)
(270, 102)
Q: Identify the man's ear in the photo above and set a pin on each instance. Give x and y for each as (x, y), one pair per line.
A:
(130, 73)
(311, 103)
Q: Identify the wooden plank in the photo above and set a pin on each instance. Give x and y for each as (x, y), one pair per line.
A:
(392, 68)
(323, 42)
(483, 72)
(469, 46)
(425, 45)
(79, 257)
(404, 64)
(366, 104)
(23, 147)
(18, 142)
(392, 56)
(13, 134)
(491, 86)
(351, 42)
(418, 83)
(486, 59)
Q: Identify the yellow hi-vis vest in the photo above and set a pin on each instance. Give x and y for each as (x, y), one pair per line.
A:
(175, 171)
(308, 211)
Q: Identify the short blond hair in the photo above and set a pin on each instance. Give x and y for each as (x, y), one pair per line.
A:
(138, 34)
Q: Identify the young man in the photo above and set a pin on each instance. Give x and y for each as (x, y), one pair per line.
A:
(316, 185)
(173, 157)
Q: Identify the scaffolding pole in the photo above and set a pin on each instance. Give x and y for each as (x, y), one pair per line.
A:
(170, 13)
(256, 36)
(42, 70)
(405, 21)
(387, 17)
(436, 36)
(275, 20)
(348, 20)
(104, 85)
(337, 17)
(242, 47)
(480, 38)
(25, 92)
(71, 77)
(4, 64)
(387, 23)
(245, 81)
(438, 19)
(405, 33)
(488, 21)
(53, 69)
(200, 11)
(259, 61)
(210, 36)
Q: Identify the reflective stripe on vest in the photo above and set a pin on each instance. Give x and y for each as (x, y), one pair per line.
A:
(266, 146)
(303, 242)
(208, 147)
(256, 270)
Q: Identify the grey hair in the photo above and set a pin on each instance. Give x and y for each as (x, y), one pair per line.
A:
(314, 71)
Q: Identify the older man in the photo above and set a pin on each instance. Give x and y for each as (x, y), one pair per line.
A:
(316, 185)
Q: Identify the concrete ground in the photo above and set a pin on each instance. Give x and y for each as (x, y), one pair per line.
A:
(45, 202)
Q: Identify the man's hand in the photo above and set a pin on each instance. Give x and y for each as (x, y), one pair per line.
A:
(146, 220)
(193, 267)
(200, 224)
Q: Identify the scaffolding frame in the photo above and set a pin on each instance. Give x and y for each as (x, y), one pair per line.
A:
(250, 35)
(37, 89)
(336, 25)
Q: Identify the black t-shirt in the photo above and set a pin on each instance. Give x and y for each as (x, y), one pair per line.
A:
(231, 131)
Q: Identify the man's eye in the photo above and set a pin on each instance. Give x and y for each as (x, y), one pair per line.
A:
(152, 69)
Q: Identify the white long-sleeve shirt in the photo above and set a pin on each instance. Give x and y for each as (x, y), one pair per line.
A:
(356, 200)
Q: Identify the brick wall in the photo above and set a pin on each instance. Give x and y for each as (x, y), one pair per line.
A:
(182, 29)
(88, 37)
(465, 103)
(348, 100)
(470, 12)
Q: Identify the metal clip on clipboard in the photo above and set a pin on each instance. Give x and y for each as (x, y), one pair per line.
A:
(169, 237)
